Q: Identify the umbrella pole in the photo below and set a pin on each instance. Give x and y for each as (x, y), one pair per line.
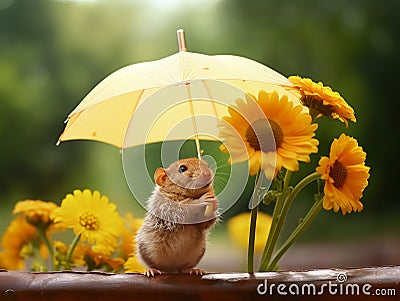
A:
(180, 34)
(196, 131)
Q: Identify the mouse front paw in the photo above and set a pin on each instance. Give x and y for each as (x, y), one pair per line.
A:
(210, 198)
(152, 272)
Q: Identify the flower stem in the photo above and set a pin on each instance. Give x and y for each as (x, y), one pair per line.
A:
(252, 230)
(314, 113)
(252, 237)
(40, 264)
(72, 247)
(274, 232)
(286, 203)
(42, 234)
(303, 225)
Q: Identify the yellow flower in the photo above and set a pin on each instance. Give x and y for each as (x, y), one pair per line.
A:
(322, 101)
(132, 265)
(36, 212)
(17, 237)
(91, 216)
(3, 260)
(78, 256)
(239, 229)
(60, 255)
(96, 259)
(269, 132)
(345, 175)
(128, 236)
(60, 247)
(105, 249)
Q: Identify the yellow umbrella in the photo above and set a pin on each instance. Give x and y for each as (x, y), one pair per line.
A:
(181, 97)
(105, 114)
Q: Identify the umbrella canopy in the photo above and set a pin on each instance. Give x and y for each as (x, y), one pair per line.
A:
(106, 112)
(181, 97)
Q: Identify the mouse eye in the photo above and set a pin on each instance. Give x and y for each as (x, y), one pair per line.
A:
(182, 168)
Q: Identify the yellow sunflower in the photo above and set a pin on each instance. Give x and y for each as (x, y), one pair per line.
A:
(269, 132)
(36, 212)
(92, 216)
(345, 175)
(17, 237)
(322, 101)
(239, 229)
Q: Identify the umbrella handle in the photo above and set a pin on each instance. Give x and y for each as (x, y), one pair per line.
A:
(180, 34)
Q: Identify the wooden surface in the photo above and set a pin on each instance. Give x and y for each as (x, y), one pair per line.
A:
(232, 286)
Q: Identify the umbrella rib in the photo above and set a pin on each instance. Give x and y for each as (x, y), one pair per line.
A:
(209, 96)
(133, 110)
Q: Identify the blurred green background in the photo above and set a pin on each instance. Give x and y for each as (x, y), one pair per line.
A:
(52, 53)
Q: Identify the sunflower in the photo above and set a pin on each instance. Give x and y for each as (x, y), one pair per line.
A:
(239, 229)
(269, 132)
(91, 216)
(36, 212)
(345, 175)
(322, 101)
(17, 239)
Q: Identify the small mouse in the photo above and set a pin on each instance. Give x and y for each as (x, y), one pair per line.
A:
(174, 232)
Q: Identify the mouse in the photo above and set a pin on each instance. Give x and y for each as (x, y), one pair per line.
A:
(180, 212)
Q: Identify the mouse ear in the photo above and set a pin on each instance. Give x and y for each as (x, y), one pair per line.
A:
(160, 176)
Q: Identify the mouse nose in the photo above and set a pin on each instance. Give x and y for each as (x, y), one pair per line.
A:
(205, 170)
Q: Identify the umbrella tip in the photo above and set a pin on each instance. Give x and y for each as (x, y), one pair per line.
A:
(180, 34)
(58, 143)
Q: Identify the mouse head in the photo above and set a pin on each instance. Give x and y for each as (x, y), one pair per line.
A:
(189, 174)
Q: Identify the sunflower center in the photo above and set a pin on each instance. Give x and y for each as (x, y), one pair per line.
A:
(89, 221)
(259, 136)
(338, 173)
(317, 104)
